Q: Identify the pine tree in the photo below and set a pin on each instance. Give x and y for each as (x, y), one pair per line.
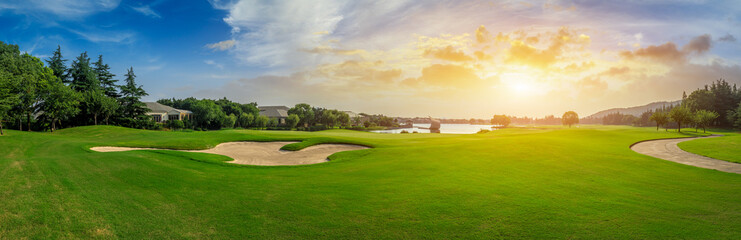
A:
(105, 77)
(57, 64)
(83, 77)
(131, 97)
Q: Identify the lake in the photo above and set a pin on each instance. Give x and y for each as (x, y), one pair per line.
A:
(444, 128)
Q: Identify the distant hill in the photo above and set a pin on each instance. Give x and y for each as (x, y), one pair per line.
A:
(635, 111)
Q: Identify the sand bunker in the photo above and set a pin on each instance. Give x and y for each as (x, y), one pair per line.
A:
(262, 153)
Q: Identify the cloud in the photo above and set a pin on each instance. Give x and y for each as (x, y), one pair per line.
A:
(482, 35)
(221, 46)
(448, 53)
(213, 63)
(699, 44)
(523, 52)
(448, 75)
(666, 52)
(273, 33)
(98, 36)
(61, 8)
(613, 71)
(147, 11)
(357, 73)
(727, 38)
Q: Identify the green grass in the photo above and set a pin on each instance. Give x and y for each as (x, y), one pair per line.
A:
(514, 183)
(726, 148)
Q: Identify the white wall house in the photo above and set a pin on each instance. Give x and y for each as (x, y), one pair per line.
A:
(162, 113)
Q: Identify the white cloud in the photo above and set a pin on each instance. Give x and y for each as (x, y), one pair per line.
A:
(213, 63)
(223, 45)
(147, 11)
(61, 8)
(100, 37)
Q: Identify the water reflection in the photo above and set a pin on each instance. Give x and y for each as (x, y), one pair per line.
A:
(444, 128)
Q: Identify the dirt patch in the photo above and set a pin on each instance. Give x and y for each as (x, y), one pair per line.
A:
(262, 153)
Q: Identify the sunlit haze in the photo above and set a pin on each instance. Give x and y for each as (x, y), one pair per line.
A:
(448, 59)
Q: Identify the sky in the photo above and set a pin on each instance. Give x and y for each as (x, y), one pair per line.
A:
(447, 59)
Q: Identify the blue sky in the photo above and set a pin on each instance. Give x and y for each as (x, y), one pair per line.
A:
(402, 58)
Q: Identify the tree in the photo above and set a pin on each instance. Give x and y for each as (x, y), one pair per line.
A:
(292, 120)
(98, 104)
(329, 118)
(343, 118)
(131, 95)
(680, 114)
(105, 78)
(82, 76)
(570, 118)
(734, 117)
(208, 115)
(33, 78)
(229, 121)
(304, 112)
(501, 120)
(661, 118)
(60, 103)
(246, 119)
(705, 118)
(261, 121)
(7, 97)
(725, 100)
(57, 64)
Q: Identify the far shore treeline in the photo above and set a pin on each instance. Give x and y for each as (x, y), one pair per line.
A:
(716, 105)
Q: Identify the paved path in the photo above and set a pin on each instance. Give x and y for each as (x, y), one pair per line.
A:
(667, 149)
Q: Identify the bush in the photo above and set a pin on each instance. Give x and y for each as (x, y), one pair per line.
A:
(404, 131)
(312, 128)
(175, 124)
(484, 131)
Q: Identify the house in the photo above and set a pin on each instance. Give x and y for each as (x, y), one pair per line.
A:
(275, 112)
(162, 113)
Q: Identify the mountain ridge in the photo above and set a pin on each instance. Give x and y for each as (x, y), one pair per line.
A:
(636, 110)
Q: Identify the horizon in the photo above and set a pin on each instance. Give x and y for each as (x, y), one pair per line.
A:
(403, 58)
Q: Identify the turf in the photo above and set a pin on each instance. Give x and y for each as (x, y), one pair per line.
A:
(515, 183)
(726, 148)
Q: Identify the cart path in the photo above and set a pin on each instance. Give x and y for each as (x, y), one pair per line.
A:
(667, 149)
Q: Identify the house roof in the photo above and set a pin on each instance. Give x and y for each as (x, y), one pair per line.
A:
(274, 111)
(156, 107)
(273, 107)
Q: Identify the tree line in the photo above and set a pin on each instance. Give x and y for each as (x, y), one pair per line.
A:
(35, 96)
(211, 114)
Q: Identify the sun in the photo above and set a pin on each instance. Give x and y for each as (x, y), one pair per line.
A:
(518, 83)
(521, 88)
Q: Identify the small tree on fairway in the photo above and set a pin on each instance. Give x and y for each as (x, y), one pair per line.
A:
(570, 118)
(680, 114)
(704, 118)
(501, 120)
(660, 118)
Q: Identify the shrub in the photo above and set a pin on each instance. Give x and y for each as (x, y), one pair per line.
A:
(404, 131)
(484, 131)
